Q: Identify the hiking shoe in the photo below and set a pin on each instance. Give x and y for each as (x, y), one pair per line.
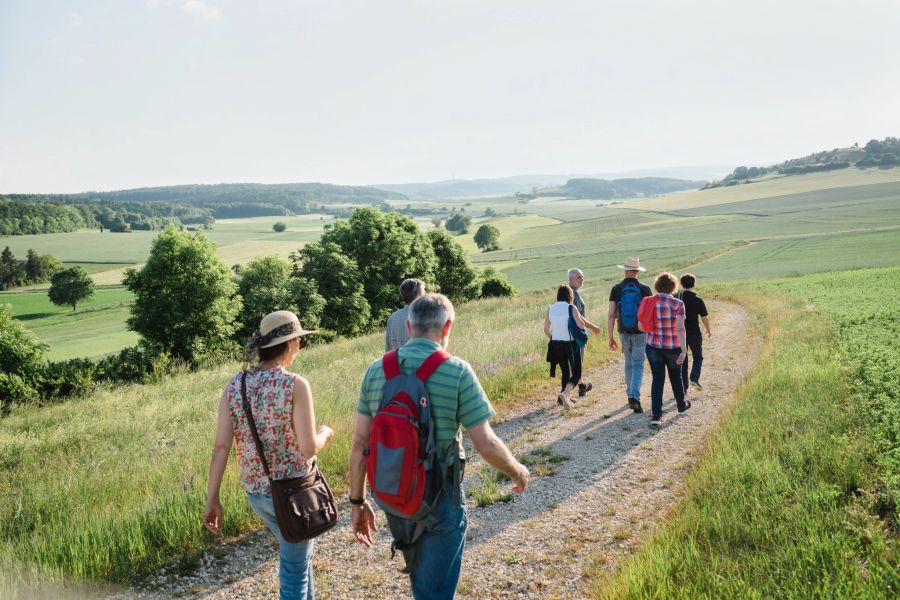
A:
(635, 405)
(561, 399)
(584, 388)
(697, 385)
(655, 422)
(685, 406)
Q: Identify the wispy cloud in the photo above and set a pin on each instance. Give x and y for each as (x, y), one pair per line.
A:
(199, 8)
(75, 20)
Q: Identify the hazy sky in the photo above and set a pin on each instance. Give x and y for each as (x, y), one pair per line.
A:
(129, 93)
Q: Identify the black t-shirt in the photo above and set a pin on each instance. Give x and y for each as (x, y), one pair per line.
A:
(615, 294)
(694, 308)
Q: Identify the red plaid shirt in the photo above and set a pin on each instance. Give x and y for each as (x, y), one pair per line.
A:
(669, 313)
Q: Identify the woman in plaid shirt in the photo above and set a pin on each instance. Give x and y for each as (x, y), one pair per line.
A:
(666, 346)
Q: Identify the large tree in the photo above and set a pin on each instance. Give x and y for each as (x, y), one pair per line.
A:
(266, 284)
(185, 303)
(387, 248)
(70, 286)
(456, 277)
(487, 238)
(339, 282)
(21, 360)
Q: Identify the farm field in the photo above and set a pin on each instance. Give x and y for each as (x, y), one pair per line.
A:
(95, 329)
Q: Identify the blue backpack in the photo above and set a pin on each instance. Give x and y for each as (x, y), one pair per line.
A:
(629, 303)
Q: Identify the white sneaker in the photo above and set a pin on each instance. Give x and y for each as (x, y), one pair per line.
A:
(655, 423)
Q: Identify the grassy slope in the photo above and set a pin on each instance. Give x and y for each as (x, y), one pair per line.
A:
(784, 503)
(123, 472)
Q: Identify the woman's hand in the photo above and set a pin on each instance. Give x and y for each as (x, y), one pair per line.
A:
(213, 516)
(326, 431)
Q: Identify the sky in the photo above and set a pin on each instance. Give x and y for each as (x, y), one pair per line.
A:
(130, 93)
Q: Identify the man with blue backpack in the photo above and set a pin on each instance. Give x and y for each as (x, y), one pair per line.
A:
(624, 302)
(407, 444)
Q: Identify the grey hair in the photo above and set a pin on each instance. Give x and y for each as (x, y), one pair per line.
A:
(411, 289)
(573, 272)
(429, 312)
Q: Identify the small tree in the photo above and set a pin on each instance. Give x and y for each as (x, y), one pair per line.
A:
(185, 303)
(70, 286)
(456, 277)
(494, 284)
(487, 238)
(279, 226)
(458, 223)
(21, 357)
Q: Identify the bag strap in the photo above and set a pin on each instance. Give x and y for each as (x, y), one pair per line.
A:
(431, 364)
(391, 364)
(252, 423)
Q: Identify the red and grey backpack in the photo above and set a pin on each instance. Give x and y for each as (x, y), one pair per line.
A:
(404, 465)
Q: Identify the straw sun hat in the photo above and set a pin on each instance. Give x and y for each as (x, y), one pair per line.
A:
(632, 263)
(280, 326)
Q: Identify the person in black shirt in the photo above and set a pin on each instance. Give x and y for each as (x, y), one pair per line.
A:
(694, 311)
(624, 298)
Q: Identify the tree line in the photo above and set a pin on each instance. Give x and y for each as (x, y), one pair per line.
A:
(191, 309)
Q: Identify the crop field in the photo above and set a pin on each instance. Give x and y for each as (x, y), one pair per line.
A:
(96, 328)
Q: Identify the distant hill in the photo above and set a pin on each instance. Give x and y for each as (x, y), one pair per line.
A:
(876, 153)
(604, 189)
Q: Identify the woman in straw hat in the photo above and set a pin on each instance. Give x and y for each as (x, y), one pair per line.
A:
(282, 407)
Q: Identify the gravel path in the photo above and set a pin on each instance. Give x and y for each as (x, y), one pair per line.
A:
(614, 478)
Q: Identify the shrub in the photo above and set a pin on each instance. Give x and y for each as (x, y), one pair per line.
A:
(279, 226)
(494, 284)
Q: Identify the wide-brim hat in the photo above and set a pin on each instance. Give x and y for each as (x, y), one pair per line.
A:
(283, 325)
(632, 263)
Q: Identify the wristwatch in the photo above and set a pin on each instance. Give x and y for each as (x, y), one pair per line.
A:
(357, 501)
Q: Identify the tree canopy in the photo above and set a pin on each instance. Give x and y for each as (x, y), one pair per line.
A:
(487, 238)
(70, 286)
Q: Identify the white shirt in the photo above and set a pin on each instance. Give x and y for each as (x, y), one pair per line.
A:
(559, 321)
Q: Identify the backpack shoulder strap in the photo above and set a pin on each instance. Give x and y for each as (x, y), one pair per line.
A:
(391, 364)
(434, 360)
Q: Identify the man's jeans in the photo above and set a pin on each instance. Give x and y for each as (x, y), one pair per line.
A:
(695, 345)
(295, 560)
(633, 345)
(440, 550)
(663, 360)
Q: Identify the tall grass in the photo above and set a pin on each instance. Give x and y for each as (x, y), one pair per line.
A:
(784, 502)
(112, 486)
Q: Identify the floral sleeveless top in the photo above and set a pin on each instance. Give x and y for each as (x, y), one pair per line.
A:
(271, 402)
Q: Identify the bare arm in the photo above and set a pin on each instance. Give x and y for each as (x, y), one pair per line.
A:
(547, 330)
(706, 325)
(495, 452)
(610, 323)
(363, 515)
(583, 322)
(303, 418)
(212, 514)
(682, 340)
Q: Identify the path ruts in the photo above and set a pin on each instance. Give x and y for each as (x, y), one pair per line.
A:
(615, 487)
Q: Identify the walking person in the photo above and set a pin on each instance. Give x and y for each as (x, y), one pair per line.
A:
(564, 350)
(457, 401)
(395, 334)
(576, 281)
(694, 312)
(624, 300)
(281, 404)
(666, 347)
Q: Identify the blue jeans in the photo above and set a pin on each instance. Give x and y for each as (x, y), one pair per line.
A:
(440, 550)
(695, 345)
(295, 560)
(633, 345)
(662, 360)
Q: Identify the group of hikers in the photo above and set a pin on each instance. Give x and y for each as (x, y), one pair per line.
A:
(413, 404)
(670, 328)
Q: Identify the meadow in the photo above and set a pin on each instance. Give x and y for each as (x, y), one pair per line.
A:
(797, 492)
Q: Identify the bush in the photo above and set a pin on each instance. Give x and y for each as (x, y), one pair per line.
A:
(70, 378)
(21, 358)
(279, 226)
(494, 284)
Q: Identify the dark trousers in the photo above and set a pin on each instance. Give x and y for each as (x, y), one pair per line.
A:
(663, 361)
(568, 355)
(695, 345)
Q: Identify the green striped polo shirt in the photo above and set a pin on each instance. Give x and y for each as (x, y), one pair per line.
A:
(457, 397)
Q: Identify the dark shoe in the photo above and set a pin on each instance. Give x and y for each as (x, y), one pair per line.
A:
(685, 406)
(697, 385)
(584, 388)
(560, 399)
(637, 406)
(655, 422)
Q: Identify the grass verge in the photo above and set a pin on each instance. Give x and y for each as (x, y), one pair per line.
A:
(793, 495)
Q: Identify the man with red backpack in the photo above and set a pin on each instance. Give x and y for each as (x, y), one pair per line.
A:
(412, 406)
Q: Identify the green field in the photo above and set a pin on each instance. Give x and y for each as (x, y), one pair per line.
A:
(96, 328)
